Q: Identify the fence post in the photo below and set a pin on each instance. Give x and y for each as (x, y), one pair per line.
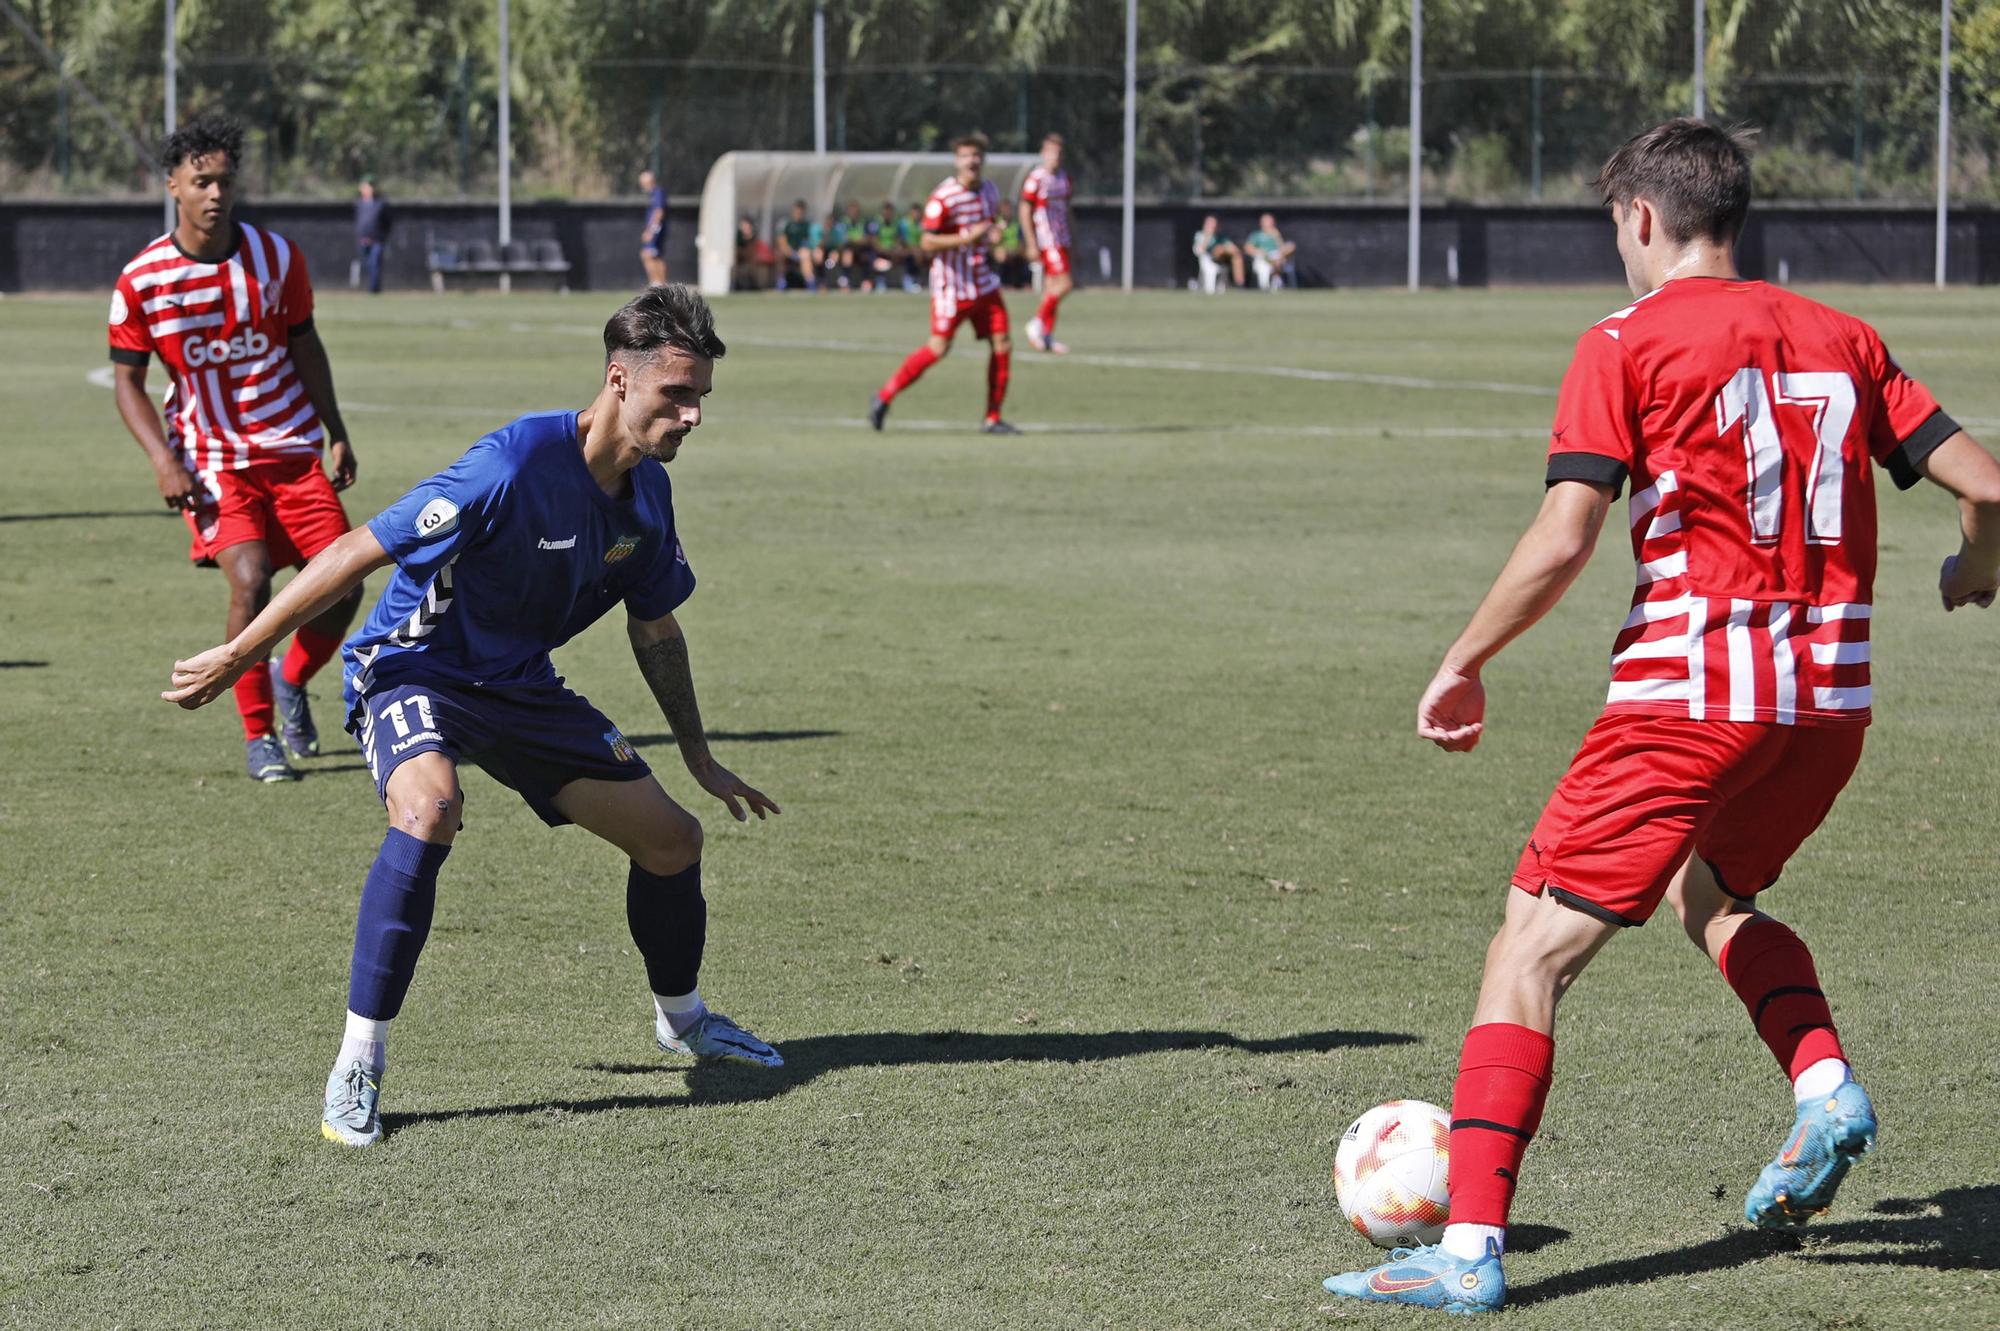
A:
(172, 62)
(1368, 145)
(1416, 136)
(1198, 186)
(62, 120)
(465, 124)
(819, 79)
(1125, 221)
(1944, 134)
(654, 156)
(1700, 59)
(1860, 123)
(1535, 135)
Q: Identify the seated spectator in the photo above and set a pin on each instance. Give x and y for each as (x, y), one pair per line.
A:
(890, 250)
(755, 259)
(1009, 257)
(1212, 249)
(795, 248)
(860, 246)
(1270, 253)
(916, 264)
(828, 239)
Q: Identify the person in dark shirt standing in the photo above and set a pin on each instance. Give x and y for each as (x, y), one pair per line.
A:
(653, 232)
(371, 234)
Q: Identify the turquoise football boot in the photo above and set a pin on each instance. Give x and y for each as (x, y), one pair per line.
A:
(717, 1037)
(1429, 1277)
(352, 1115)
(1830, 1134)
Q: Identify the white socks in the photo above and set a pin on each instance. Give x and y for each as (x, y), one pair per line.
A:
(676, 1013)
(1822, 1078)
(1468, 1242)
(367, 1040)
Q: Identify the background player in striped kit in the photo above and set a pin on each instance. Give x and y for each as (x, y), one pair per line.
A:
(229, 310)
(1748, 421)
(540, 529)
(1045, 219)
(961, 223)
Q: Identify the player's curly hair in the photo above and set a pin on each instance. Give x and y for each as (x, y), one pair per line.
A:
(970, 139)
(1695, 173)
(669, 315)
(203, 136)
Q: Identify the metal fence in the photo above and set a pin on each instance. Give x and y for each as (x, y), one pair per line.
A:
(418, 109)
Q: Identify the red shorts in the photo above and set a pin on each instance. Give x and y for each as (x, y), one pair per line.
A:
(288, 504)
(985, 313)
(1055, 261)
(1645, 790)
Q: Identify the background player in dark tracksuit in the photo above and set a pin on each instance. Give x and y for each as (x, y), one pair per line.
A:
(539, 530)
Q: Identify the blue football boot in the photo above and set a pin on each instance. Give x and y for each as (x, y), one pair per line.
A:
(1830, 1134)
(264, 759)
(716, 1036)
(1429, 1277)
(295, 718)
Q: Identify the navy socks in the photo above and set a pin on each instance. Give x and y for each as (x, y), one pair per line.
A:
(396, 904)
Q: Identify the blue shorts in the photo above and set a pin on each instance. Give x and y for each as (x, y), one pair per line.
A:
(534, 740)
(650, 245)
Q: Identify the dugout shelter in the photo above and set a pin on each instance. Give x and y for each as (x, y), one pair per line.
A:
(762, 185)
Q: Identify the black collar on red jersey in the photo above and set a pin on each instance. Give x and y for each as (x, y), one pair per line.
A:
(235, 243)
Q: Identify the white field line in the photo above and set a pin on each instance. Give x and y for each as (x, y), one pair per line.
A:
(101, 376)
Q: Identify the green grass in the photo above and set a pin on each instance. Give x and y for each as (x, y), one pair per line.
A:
(1111, 882)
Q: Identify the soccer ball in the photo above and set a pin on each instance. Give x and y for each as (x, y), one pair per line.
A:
(1389, 1173)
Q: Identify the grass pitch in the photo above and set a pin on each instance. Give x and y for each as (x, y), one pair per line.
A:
(1112, 881)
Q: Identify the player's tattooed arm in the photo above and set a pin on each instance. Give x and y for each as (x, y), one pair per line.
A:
(661, 650)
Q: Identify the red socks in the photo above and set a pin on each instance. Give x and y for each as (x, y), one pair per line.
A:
(1772, 972)
(910, 371)
(1503, 1082)
(996, 382)
(253, 700)
(1047, 313)
(309, 652)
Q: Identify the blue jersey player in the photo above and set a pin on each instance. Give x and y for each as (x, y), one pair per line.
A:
(535, 533)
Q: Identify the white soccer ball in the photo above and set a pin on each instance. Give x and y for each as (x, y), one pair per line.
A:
(1390, 1173)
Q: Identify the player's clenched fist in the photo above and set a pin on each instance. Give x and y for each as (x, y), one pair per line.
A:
(1958, 588)
(1452, 712)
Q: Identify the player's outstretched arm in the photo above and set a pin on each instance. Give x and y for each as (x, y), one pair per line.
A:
(661, 650)
(332, 574)
(1973, 476)
(316, 373)
(1546, 560)
(136, 409)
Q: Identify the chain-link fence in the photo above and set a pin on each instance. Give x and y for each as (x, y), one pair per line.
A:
(408, 94)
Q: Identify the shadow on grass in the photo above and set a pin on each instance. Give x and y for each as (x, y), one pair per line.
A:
(24, 665)
(81, 517)
(810, 1058)
(740, 736)
(1954, 1230)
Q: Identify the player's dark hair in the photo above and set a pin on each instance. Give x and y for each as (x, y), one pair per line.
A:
(969, 139)
(203, 136)
(1695, 173)
(670, 315)
(1053, 137)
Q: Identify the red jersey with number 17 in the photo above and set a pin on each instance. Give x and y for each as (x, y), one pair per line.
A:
(223, 329)
(1747, 419)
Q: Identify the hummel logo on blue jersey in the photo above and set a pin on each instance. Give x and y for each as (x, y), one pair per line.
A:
(547, 544)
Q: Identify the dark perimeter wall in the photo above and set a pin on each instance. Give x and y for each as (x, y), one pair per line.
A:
(80, 245)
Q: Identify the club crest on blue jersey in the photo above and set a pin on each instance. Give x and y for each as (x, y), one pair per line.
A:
(622, 550)
(621, 748)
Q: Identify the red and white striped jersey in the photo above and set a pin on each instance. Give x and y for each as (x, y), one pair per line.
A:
(1746, 418)
(224, 331)
(952, 209)
(1046, 193)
